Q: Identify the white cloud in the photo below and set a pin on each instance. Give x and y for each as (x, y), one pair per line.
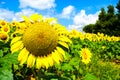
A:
(6, 14)
(26, 12)
(81, 19)
(37, 4)
(67, 12)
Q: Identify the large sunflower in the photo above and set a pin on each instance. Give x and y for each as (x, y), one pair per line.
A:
(41, 44)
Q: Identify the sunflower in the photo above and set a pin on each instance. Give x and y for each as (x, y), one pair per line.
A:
(41, 44)
(86, 55)
(74, 33)
(3, 23)
(4, 36)
(5, 29)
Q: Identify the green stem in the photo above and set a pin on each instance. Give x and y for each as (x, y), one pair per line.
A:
(39, 74)
(34, 73)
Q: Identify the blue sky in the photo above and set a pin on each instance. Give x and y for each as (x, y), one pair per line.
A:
(74, 14)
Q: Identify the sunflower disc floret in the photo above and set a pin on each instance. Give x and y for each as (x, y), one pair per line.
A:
(40, 40)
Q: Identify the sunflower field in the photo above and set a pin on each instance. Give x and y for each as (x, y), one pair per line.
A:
(40, 48)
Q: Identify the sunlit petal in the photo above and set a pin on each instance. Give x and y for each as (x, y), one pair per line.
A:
(23, 55)
(31, 61)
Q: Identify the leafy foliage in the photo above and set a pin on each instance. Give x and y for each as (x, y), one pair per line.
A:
(107, 23)
(6, 62)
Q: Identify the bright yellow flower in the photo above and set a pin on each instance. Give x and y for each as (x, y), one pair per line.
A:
(41, 44)
(103, 47)
(86, 55)
(74, 34)
(3, 23)
(5, 29)
(109, 38)
(4, 36)
(14, 24)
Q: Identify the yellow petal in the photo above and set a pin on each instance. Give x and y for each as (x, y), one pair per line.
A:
(42, 62)
(36, 17)
(45, 62)
(15, 39)
(63, 44)
(55, 57)
(39, 62)
(50, 60)
(65, 39)
(60, 57)
(61, 51)
(17, 46)
(86, 61)
(51, 20)
(26, 19)
(31, 60)
(23, 55)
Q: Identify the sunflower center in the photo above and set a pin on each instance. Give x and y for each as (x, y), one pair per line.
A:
(5, 29)
(40, 39)
(3, 36)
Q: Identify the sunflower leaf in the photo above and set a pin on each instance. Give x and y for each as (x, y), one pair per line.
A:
(6, 74)
(1, 53)
(9, 59)
(67, 67)
(89, 76)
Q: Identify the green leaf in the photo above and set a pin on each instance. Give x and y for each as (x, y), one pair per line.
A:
(89, 76)
(74, 61)
(1, 44)
(67, 67)
(8, 60)
(73, 77)
(67, 56)
(6, 49)
(12, 58)
(118, 57)
(81, 71)
(6, 74)
(1, 53)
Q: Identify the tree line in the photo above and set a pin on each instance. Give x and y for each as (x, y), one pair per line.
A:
(108, 22)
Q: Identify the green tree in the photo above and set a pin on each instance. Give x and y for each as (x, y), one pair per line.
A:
(110, 12)
(107, 23)
(89, 28)
(117, 31)
(102, 15)
(118, 6)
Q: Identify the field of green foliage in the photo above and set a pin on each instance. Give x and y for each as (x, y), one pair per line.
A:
(87, 57)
